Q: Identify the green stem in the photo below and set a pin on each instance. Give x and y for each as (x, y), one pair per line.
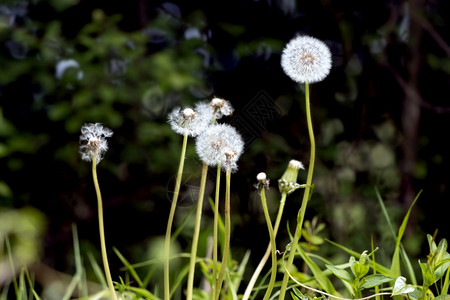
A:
(264, 259)
(301, 214)
(215, 234)
(272, 245)
(198, 218)
(102, 229)
(226, 244)
(170, 220)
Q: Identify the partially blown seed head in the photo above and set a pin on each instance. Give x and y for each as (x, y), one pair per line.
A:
(217, 107)
(93, 141)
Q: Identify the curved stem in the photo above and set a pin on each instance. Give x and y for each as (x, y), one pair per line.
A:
(170, 220)
(215, 234)
(226, 244)
(102, 230)
(264, 259)
(301, 214)
(272, 245)
(198, 218)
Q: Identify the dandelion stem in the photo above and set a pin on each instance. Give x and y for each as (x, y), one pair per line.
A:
(226, 244)
(215, 233)
(102, 229)
(301, 213)
(198, 217)
(272, 245)
(170, 220)
(264, 259)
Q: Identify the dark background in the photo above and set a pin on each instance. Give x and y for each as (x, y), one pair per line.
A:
(381, 117)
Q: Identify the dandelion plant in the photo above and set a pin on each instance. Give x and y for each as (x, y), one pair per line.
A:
(186, 122)
(93, 146)
(220, 145)
(306, 60)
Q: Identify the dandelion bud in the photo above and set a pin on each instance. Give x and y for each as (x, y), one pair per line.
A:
(261, 177)
(188, 121)
(93, 140)
(288, 182)
(263, 182)
(306, 59)
(220, 144)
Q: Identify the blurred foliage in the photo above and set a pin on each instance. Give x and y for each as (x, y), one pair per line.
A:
(21, 233)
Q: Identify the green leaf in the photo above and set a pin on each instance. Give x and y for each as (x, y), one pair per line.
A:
(321, 278)
(380, 268)
(341, 273)
(371, 281)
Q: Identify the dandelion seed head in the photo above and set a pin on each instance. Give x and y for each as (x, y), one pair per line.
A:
(93, 141)
(306, 59)
(220, 144)
(217, 107)
(188, 121)
(221, 107)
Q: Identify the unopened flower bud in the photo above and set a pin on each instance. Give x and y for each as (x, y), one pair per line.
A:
(288, 182)
(261, 177)
(263, 182)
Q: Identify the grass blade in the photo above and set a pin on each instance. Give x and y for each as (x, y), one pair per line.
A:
(404, 255)
(395, 266)
(129, 267)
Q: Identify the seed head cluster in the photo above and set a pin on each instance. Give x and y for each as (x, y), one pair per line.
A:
(93, 141)
(306, 59)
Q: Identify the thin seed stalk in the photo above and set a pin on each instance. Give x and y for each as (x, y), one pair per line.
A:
(264, 259)
(272, 245)
(198, 217)
(301, 214)
(170, 220)
(215, 234)
(227, 238)
(102, 229)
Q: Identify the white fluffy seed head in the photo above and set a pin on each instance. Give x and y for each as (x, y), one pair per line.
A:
(306, 59)
(188, 121)
(220, 144)
(93, 141)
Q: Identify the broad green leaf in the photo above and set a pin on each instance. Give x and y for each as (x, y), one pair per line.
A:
(371, 281)
(440, 271)
(341, 273)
